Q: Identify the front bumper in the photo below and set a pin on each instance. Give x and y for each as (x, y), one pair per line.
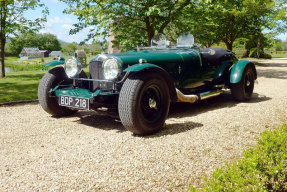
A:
(99, 98)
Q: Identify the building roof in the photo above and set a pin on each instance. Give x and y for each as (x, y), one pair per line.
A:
(56, 53)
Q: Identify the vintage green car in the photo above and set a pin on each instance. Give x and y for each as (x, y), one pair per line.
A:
(140, 84)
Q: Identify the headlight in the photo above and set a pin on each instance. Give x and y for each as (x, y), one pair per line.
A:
(72, 67)
(111, 68)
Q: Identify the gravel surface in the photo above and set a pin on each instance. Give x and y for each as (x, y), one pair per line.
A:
(90, 152)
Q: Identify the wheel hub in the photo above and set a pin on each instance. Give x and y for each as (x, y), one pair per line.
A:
(152, 103)
(248, 83)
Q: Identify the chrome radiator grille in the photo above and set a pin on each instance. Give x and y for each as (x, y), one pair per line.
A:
(96, 72)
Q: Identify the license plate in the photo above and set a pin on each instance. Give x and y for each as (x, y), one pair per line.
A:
(74, 102)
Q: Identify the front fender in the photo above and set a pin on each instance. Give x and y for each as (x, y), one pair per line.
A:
(54, 63)
(238, 69)
(148, 67)
(140, 67)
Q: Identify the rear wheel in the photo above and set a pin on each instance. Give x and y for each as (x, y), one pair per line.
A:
(243, 90)
(144, 103)
(50, 104)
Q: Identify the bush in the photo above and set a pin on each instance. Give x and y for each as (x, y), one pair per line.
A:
(253, 54)
(263, 168)
(281, 52)
(97, 52)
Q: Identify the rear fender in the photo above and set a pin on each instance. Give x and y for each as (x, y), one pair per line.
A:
(238, 69)
(148, 67)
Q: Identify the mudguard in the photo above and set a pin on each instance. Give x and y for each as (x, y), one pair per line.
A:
(140, 67)
(54, 63)
(151, 67)
(238, 69)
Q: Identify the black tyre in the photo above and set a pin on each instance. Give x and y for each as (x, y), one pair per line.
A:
(243, 90)
(50, 104)
(144, 103)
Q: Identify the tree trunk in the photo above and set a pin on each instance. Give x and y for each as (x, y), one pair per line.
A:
(2, 37)
(259, 47)
(2, 56)
(229, 45)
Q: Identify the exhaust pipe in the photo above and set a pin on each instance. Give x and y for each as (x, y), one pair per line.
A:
(186, 98)
(193, 98)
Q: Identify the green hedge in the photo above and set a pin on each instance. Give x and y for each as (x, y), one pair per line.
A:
(253, 53)
(263, 168)
(281, 52)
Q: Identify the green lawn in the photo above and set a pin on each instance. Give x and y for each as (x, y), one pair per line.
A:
(279, 56)
(20, 85)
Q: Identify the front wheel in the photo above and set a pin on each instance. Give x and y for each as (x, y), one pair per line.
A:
(144, 103)
(50, 104)
(243, 90)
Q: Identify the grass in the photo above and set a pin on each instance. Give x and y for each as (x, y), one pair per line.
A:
(279, 56)
(31, 65)
(20, 85)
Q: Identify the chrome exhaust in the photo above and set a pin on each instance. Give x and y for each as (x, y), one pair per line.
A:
(186, 98)
(193, 98)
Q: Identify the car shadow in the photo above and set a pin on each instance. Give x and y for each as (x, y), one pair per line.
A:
(178, 110)
(224, 100)
(99, 121)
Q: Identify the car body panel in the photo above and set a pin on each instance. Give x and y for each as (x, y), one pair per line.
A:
(141, 66)
(237, 71)
(78, 92)
(54, 63)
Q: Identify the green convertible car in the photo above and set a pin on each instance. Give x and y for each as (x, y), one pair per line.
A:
(140, 84)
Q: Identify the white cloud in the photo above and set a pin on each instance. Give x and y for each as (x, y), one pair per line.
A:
(57, 20)
(67, 26)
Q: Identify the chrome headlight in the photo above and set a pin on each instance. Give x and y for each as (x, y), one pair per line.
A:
(111, 68)
(72, 67)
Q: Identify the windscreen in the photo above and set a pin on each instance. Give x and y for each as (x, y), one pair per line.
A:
(186, 40)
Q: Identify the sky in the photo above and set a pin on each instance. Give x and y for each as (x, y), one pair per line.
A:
(60, 24)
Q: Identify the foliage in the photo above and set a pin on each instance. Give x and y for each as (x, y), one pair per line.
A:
(13, 22)
(280, 45)
(42, 41)
(37, 65)
(70, 48)
(263, 168)
(132, 22)
(253, 53)
(229, 20)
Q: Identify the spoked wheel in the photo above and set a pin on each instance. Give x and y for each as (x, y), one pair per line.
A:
(243, 90)
(144, 103)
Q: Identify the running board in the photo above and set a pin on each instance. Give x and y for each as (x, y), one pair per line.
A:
(209, 94)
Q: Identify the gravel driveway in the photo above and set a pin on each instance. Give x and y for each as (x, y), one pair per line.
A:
(90, 152)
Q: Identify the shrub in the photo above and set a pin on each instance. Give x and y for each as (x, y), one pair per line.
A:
(97, 52)
(253, 54)
(281, 52)
(263, 168)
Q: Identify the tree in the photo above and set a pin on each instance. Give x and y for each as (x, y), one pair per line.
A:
(44, 41)
(70, 48)
(226, 21)
(132, 22)
(13, 22)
